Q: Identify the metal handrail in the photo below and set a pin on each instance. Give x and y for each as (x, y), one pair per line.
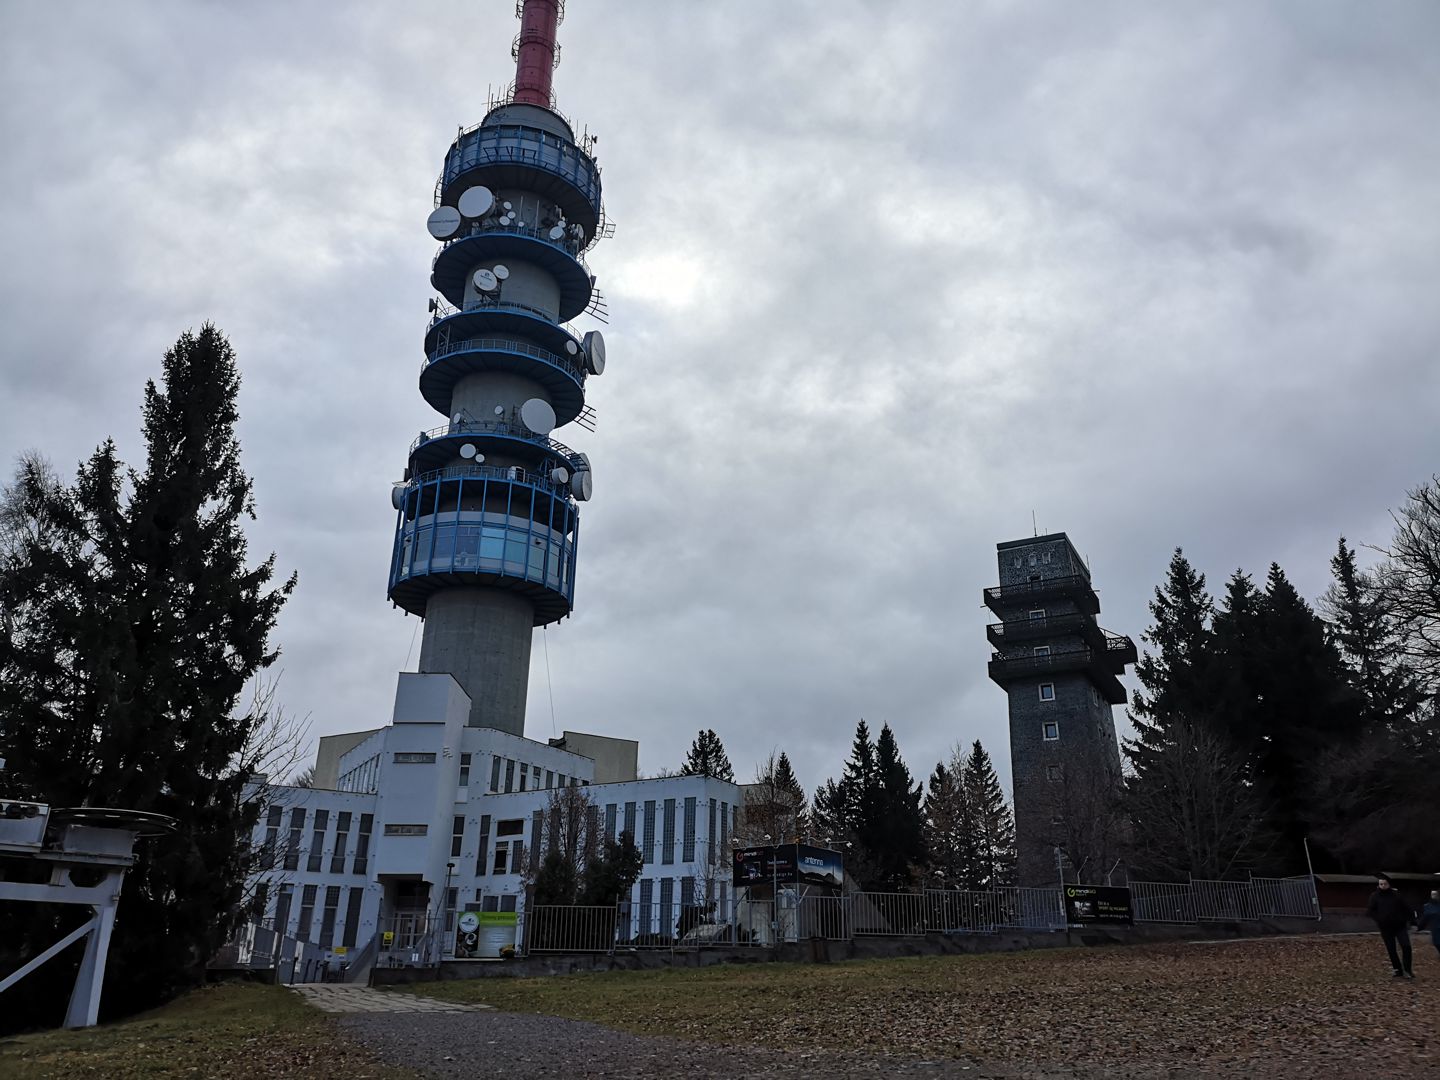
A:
(1031, 588)
(489, 472)
(1050, 624)
(533, 232)
(494, 427)
(444, 310)
(520, 133)
(505, 345)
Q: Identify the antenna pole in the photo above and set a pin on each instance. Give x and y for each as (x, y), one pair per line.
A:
(535, 51)
(1035, 529)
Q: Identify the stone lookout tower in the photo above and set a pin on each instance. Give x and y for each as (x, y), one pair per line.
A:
(1061, 672)
(487, 514)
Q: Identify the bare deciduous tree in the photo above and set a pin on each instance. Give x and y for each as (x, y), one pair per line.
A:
(1196, 813)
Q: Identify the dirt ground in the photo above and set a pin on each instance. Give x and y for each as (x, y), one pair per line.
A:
(1311, 1006)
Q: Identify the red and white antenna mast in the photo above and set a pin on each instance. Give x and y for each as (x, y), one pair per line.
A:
(536, 52)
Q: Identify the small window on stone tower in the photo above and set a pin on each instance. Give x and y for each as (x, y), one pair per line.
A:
(1034, 560)
(1042, 650)
(1037, 613)
(1045, 557)
(1047, 691)
(1051, 730)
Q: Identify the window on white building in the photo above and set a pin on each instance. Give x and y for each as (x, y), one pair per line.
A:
(464, 770)
(413, 757)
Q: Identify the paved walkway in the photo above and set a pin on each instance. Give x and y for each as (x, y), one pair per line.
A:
(344, 998)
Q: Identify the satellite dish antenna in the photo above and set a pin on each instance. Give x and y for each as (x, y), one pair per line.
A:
(397, 496)
(582, 485)
(581, 462)
(434, 307)
(594, 344)
(572, 347)
(537, 415)
(560, 474)
(443, 222)
(485, 280)
(458, 418)
(501, 271)
(476, 202)
(467, 451)
(507, 207)
(499, 410)
(479, 458)
(557, 232)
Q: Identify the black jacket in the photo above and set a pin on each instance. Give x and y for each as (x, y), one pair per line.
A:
(1389, 909)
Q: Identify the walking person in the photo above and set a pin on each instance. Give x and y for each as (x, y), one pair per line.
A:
(1393, 915)
(1430, 917)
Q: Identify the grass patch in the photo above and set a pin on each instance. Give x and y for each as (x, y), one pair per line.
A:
(231, 1031)
(1275, 1004)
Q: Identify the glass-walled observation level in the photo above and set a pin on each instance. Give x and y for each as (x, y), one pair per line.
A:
(528, 157)
(488, 240)
(477, 525)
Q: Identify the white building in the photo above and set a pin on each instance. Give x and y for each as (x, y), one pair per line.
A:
(411, 824)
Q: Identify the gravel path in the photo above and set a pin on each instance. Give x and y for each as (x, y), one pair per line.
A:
(521, 1046)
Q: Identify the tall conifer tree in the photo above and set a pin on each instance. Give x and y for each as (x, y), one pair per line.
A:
(707, 757)
(994, 825)
(129, 638)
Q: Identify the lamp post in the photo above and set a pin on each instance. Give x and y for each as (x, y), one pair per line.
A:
(774, 892)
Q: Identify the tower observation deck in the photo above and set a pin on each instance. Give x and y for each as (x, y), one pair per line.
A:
(487, 514)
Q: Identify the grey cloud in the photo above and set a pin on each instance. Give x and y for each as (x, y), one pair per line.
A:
(887, 279)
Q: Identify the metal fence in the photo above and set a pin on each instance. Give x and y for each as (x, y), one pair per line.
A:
(1224, 901)
(954, 911)
(421, 938)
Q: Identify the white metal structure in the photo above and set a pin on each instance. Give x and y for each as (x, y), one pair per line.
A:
(99, 844)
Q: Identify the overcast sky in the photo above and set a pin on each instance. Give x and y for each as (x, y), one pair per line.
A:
(887, 279)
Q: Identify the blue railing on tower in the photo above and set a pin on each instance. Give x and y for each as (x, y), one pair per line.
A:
(531, 232)
(511, 144)
(506, 345)
(503, 428)
(445, 310)
(498, 473)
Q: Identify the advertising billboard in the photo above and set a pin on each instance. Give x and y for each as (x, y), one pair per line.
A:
(789, 864)
(1098, 904)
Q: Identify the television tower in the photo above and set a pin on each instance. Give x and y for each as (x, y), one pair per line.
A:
(487, 516)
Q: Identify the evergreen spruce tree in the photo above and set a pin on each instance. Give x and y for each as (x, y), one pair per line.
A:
(1285, 696)
(994, 825)
(828, 814)
(1370, 641)
(891, 830)
(1174, 674)
(951, 833)
(131, 629)
(774, 804)
(707, 757)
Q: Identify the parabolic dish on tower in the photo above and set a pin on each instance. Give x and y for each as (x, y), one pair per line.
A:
(476, 202)
(443, 222)
(485, 280)
(537, 415)
(501, 271)
(594, 345)
(582, 485)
